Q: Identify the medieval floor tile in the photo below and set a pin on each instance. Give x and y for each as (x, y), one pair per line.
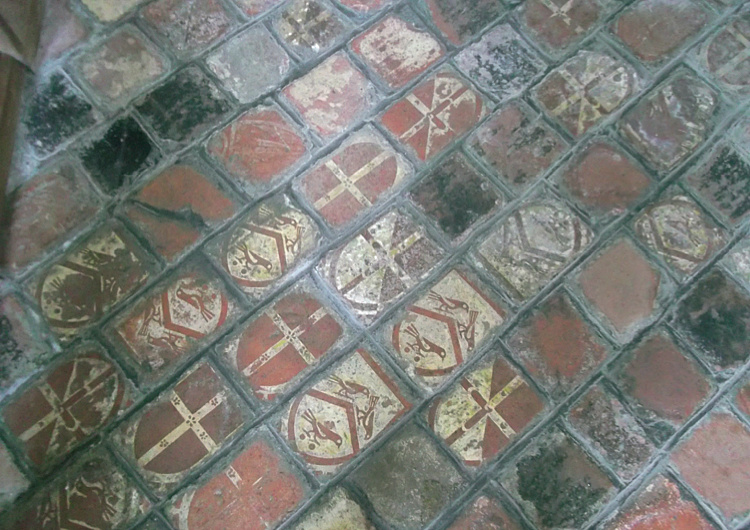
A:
(612, 431)
(724, 182)
(380, 264)
(532, 245)
(256, 491)
(282, 342)
(737, 262)
(259, 147)
(122, 65)
(48, 208)
(742, 400)
(557, 484)
(362, 172)
(460, 21)
(660, 504)
(265, 245)
(364, 7)
(558, 24)
(434, 114)
(409, 480)
(456, 196)
(517, 144)
(336, 511)
(672, 121)
(333, 96)
(586, 89)
(714, 462)
(188, 25)
(181, 428)
(557, 347)
(331, 422)
(444, 327)
(501, 63)
(715, 316)
(250, 64)
(152, 523)
(484, 411)
(397, 50)
(67, 405)
(12, 481)
(310, 27)
(257, 7)
(725, 55)
(110, 10)
(486, 514)
(63, 28)
(86, 282)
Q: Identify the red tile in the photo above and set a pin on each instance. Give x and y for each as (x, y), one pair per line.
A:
(332, 96)
(67, 406)
(188, 25)
(310, 27)
(459, 21)
(743, 399)
(256, 491)
(726, 53)
(62, 29)
(182, 428)
(484, 411)
(354, 177)
(258, 147)
(557, 347)
(397, 50)
(556, 24)
(434, 114)
(714, 462)
(484, 514)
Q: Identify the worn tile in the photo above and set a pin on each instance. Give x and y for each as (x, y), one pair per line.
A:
(184, 107)
(737, 262)
(460, 21)
(379, 264)
(331, 422)
(250, 64)
(409, 480)
(44, 211)
(265, 245)
(445, 326)
(501, 63)
(484, 411)
(726, 54)
(62, 29)
(258, 147)
(678, 230)
(715, 316)
(310, 27)
(282, 342)
(484, 513)
(530, 247)
(256, 491)
(397, 50)
(742, 400)
(672, 121)
(110, 10)
(556, 484)
(332, 96)
(68, 405)
(557, 347)
(612, 431)
(121, 66)
(256, 7)
(517, 144)
(364, 7)
(12, 481)
(181, 428)
(724, 182)
(152, 523)
(586, 89)
(714, 462)
(362, 172)
(188, 25)
(558, 24)
(336, 511)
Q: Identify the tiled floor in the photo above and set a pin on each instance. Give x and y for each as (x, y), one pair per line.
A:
(374, 264)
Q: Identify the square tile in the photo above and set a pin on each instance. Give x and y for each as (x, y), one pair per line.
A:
(456, 196)
(484, 513)
(364, 7)
(558, 348)
(379, 264)
(586, 89)
(501, 63)
(110, 10)
(348, 182)
(397, 49)
(250, 64)
(256, 7)
(310, 27)
(558, 24)
(331, 422)
(460, 21)
(484, 411)
(188, 25)
(12, 481)
(336, 510)
(181, 428)
(333, 96)
(517, 144)
(725, 54)
(434, 114)
(724, 182)
(530, 247)
(444, 327)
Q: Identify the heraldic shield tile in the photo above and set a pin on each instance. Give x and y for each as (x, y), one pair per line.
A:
(380, 264)
(533, 245)
(335, 419)
(67, 406)
(444, 327)
(282, 342)
(266, 244)
(84, 284)
(257, 491)
(354, 177)
(182, 428)
(484, 411)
